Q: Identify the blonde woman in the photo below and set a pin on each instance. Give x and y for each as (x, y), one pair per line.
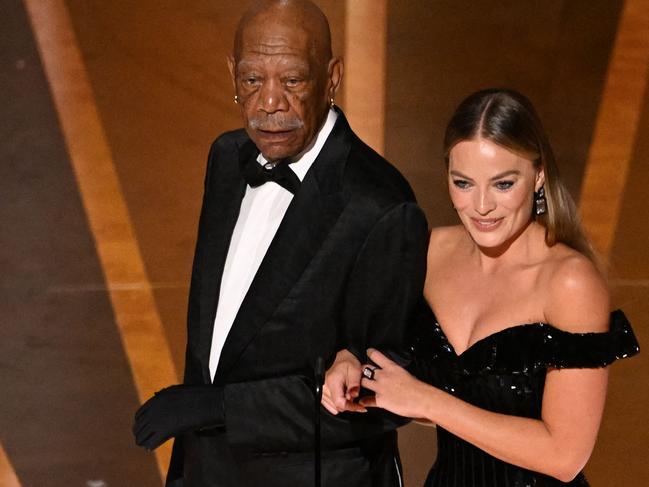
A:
(512, 365)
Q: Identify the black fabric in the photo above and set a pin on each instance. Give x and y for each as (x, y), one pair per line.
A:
(340, 467)
(272, 405)
(344, 270)
(255, 174)
(175, 410)
(505, 373)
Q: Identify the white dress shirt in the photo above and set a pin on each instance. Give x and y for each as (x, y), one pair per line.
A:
(262, 211)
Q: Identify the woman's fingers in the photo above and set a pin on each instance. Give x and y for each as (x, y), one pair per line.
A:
(329, 406)
(355, 407)
(352, 392)
(378, 358)
(368, 402)
(327, 402)
(369, 384)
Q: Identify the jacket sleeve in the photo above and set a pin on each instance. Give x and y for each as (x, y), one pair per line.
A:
(175, 471)
(192, 374)
(386, 284)
(382, 295)
(278, 414)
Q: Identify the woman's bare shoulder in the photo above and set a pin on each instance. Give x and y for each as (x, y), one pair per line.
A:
(444, 243)
(446, 239)
(578, 298)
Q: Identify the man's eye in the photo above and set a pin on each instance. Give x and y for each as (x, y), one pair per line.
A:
(504, 185)
(251, 80)
(292, 82)
(461, 183)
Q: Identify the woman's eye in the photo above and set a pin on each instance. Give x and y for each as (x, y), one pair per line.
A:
(251, 80)
(504, 185)
(292, 82)
(461, 183)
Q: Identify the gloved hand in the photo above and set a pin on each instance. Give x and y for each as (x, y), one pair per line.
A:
(175, 410)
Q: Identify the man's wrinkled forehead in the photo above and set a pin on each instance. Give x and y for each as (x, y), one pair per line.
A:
(264, 38)
(255, 62)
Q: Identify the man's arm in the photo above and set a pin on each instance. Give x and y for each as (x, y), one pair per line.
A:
(384, 292)
(163, 415)
(381, 296)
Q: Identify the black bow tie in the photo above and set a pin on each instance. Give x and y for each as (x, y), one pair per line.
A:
(255, 174)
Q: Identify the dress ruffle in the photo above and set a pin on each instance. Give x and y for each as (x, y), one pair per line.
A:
(526, 347)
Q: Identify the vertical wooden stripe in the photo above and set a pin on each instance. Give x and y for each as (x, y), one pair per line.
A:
(364, 77)
(129, 288)
(616, 126)
(8, 477)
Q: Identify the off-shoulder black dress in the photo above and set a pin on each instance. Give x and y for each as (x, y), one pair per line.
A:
(505, 373)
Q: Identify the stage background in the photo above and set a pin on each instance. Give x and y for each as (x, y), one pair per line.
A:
(151, 77)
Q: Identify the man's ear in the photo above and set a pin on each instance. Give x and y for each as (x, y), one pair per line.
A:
(232, 67)
(335, 71)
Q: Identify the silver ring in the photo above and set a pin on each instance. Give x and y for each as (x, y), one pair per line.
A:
(368, 372)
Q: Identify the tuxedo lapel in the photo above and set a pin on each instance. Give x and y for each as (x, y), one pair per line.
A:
(220, 219)
(308, 219)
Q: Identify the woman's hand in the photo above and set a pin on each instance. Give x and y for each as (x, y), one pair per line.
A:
(342, 384)
(395, 389)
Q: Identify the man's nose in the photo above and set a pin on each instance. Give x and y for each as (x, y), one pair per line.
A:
(485, 203)
(272, 97)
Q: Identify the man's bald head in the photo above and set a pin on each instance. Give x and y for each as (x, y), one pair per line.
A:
(284, 75)
(298, 14)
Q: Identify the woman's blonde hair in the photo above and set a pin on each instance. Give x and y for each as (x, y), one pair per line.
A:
(507, 118)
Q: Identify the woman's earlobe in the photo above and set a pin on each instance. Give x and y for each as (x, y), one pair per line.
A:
(540, 180)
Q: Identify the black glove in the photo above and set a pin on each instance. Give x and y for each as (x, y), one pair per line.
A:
(175, 410)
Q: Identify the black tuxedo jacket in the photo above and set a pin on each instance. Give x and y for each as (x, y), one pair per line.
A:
(345, 270)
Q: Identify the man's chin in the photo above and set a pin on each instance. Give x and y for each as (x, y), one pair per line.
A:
(278, 146)
(275, 152)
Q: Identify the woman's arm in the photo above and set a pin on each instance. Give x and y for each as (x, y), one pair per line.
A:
(560, 443)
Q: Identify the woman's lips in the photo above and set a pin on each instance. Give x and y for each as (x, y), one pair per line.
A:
(486, 224)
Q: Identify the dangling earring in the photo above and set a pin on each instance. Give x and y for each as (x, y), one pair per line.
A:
(540, 203)
(236, 99)
(331, 102)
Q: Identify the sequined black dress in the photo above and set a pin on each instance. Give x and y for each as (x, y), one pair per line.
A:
(505, 373)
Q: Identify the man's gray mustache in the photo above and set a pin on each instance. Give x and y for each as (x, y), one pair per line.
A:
(275, 124)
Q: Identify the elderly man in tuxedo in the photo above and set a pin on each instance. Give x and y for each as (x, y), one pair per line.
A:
(309, 245)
